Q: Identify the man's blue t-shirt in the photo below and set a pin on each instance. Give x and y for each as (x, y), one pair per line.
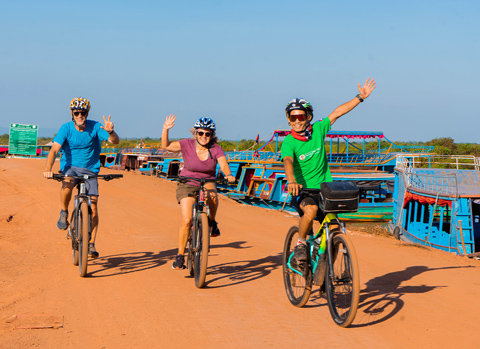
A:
(81, 149)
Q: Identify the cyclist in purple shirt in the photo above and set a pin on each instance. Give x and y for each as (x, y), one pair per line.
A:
(200, 157)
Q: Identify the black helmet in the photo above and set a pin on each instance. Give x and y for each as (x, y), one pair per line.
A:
(299, 104)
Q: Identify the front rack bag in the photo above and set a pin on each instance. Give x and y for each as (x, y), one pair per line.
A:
(339, 197)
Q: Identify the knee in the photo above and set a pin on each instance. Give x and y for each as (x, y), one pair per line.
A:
(310, 211)
(187, 222)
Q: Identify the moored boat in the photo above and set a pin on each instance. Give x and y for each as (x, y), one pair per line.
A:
(437, 203)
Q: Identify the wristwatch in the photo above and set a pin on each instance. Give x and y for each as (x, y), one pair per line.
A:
(359, 98)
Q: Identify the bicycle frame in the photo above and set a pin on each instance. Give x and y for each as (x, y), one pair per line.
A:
(325, 245)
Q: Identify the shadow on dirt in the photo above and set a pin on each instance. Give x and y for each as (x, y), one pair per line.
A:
(234, 273)
(130, 262)
(381, 299)
(137, 261)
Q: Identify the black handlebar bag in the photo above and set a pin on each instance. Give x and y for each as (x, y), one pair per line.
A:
(339, 197)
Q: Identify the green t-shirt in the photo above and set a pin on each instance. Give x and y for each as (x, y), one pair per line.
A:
(310, 165)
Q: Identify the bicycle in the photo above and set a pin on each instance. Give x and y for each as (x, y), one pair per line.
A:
(198, 242)
(331, 264)
(80, 228)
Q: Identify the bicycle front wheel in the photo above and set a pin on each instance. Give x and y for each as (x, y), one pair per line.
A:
(202, 245)
(73, 236)
(343, 281)
(297, 285)
(84, 238)
(189, 253)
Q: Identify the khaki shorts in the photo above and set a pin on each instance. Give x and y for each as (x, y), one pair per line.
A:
(185, 190)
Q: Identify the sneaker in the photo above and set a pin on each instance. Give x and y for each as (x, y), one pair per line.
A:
(300, 252)
(92, 251)
(214, 232)
(62, 223)
(178, 263)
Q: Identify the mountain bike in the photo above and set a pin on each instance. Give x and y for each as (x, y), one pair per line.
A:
(331, 264)
(198, 242)
(80, 228)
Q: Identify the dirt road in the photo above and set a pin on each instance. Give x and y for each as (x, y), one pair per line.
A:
(411, 296)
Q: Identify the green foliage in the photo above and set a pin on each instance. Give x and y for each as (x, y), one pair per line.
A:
(4, 139)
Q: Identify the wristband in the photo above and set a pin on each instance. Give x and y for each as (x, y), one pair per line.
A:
(359, 98)
(110, 132)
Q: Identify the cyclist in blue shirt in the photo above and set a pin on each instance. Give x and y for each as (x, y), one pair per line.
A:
(80, 140)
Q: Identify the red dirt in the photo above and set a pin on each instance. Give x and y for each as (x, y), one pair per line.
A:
(133, 299)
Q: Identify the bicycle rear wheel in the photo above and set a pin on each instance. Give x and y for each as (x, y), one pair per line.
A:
(84, 238)
(298, 287)
(343, 282)
(202, 245)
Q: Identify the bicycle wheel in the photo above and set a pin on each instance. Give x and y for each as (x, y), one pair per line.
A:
(72, 233)
(298, 287)
(343, 282)
(189, 253)
(83, 240)
(202, 244)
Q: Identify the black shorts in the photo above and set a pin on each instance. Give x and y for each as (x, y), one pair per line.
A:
(309, 199)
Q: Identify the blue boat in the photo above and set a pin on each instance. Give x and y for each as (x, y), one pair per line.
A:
(261, 178)
(437, 203)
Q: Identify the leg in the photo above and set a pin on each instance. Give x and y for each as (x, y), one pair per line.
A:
(66, 193)
(212, 199)
(92, 251)
(186, 205)
(309, 209)
(306, 221)
(65, 197)
(94, 200)
(212, 202)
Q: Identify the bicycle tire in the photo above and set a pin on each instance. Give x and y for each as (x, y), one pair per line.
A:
(189, 253)
(343, 282)
(72, 232)
(298, 287)
(83, 238)
(202, 242)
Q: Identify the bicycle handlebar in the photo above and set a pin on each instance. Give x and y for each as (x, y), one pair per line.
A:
(202, 180)
(106, 177)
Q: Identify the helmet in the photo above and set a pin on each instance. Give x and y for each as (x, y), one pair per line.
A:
(299, 104)
(80, 104)
(205, 123)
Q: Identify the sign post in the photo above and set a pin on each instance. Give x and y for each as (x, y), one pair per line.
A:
(23, 139)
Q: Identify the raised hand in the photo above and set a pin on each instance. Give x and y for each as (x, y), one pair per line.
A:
(108, 124)
(169, 122)
(367, 88)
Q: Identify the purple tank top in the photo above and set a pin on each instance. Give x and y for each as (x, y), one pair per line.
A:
(193, 166)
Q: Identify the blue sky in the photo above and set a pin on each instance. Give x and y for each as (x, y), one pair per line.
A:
(240, 62)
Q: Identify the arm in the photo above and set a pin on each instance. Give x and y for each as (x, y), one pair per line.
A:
(363, 92)
(113, 137)
(52, 155)
(166, 144)
(222, 161)
(293, 186)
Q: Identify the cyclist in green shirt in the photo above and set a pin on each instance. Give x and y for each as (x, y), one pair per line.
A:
(305, 158)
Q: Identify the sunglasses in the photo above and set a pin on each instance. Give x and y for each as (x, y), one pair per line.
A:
(82, 113)
(299, 117)
(201, 133)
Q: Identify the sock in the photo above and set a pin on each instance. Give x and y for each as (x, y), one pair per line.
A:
(301, 241)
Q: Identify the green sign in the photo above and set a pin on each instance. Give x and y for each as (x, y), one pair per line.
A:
(23, 139)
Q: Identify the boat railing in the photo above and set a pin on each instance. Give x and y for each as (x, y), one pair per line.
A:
(149, 151)
(459, 162)
(433, 183)
(439, 184)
